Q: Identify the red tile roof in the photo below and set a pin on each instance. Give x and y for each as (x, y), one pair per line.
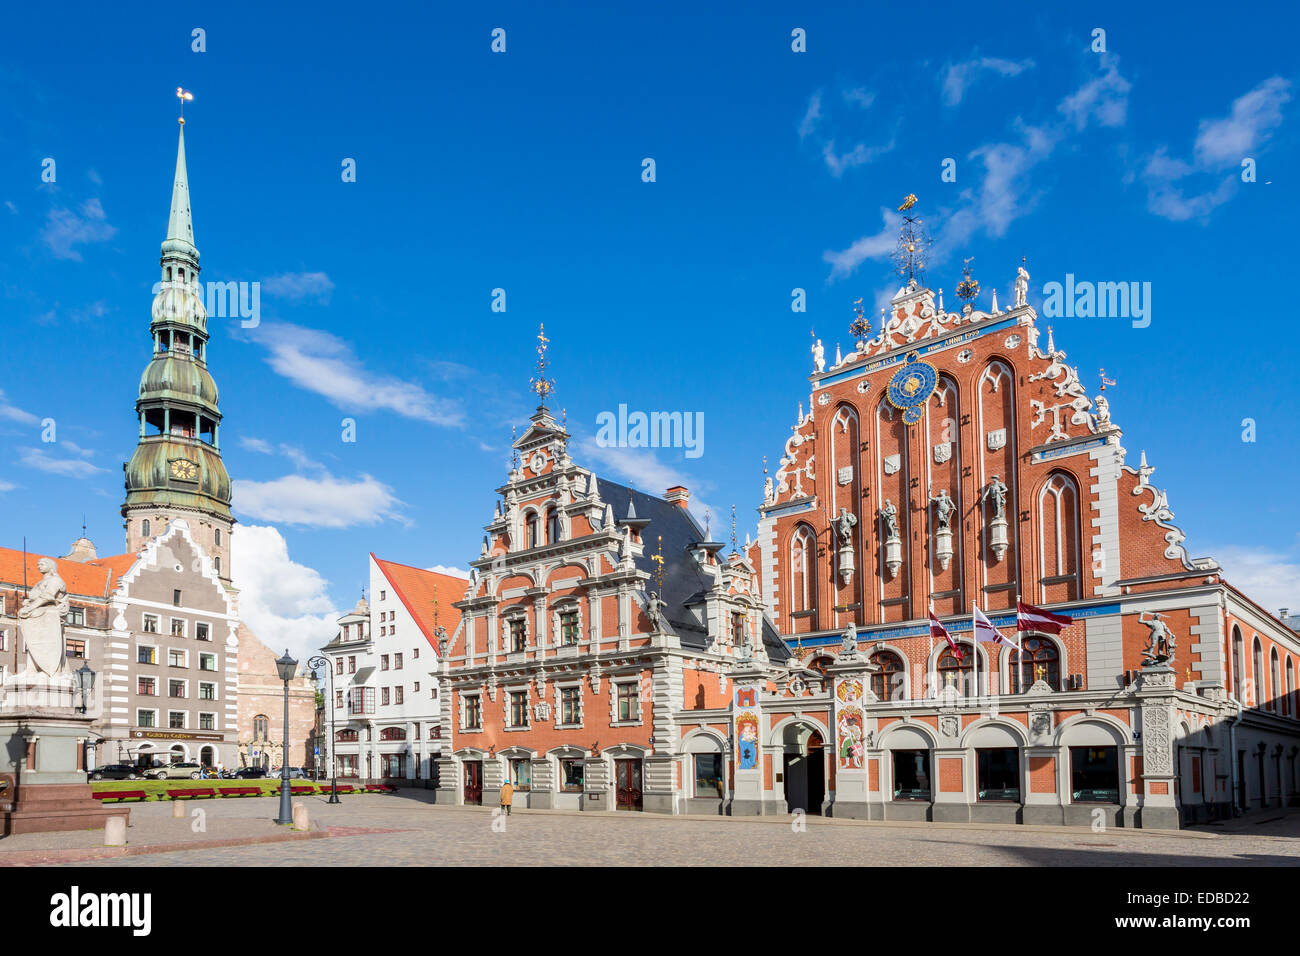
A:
(97, 579)
(418, 589)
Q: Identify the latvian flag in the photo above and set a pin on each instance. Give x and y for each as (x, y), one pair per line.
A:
(985, 631)
(938, 630)
(1030, 618)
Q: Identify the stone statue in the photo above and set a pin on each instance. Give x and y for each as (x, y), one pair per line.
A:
(42, 615)
(1160, 645)
(768, 493)
(943, 509)
(844, 525)
(819, 356)
(996, 492)
(1103, 411)
(1022, 286)
(654, 610)
(849, 643)
(889, 515)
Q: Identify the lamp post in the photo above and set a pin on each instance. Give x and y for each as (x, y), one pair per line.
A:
(285, 667)
(85, 683)
(315, 664)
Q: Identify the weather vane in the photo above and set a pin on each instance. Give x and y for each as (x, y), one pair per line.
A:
(1104, 380)
(969, 287)
(860, 327)
(658, 559)
(909, 257)
(733, 529)
(541, 384)
(183, 96)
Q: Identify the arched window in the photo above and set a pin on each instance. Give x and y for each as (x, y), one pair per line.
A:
(956, 673)
(1238, 664)
(1275, 680)
(261, 726)
(888, 682)
(531, 525)
(552, 526)
(1259, 691)
(347, 736)
(392, 733)
(819, 664)
(803, 568)
(1036, 656)
(144, 527)
(1058, 523)
(1289, 699)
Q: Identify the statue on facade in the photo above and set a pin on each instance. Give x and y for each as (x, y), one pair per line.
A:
(996, 493)
(42, 614)
(768, 493)
(944, 507)
(819, 356)
(1103, 411)
(654, 610)
(1160, 644)
(889, 515)
(844, 524)
(1022, 286)
(849, 642)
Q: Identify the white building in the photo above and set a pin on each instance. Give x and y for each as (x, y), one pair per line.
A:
(384, 696)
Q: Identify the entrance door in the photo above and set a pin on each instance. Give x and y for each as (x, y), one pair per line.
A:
(805, 777)
(627, 778)
(474, 783)
(816, 774)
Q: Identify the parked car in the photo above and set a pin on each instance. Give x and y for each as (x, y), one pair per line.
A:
(175, 771)
(249, 773)
(116, 771)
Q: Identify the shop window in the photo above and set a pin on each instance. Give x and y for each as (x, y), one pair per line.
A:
(708, 775)
(571, 775)
(521, 773)
(911, 775)
(1094, 774)
(998, 774)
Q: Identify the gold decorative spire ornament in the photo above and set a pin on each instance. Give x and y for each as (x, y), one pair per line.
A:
(541, 384)
(860, 327)
(1104, 380)
(908, 202)
(913, 242)
(968, 288)
(183, 96)
(658, 559)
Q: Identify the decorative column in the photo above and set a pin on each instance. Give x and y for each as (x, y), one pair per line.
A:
(850, 677)
(747, 683)
(1159, 808)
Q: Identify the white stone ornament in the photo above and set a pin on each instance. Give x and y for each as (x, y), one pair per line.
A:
(824, 398)
(997, 439)
(537, 462)
(1012, 341)
(965, 355)
(844, 475)
(893, 463)
(942, 452)
(864, 387)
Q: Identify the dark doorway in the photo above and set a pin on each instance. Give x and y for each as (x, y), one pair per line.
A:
(627, 780)
(805, 778)
(1241, 780)
(474, 783)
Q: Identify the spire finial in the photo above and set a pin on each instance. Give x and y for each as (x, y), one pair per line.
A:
(1051, 344)
(968, 288)
(860, 327)
(541, 384)
(909, 257)
(183, 96)
(733, 529)
(658, 559)
(1105, 381)
(708, 517)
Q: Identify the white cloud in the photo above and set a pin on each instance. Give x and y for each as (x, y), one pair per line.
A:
(642, 470)
(859, 155)
(260, 445)
(325, 364)
(15, 414)
(450, 572)
(812, 116)
(284, 603)
(1104, 98)
(1254, 116)
(7, 486)
(65, 230)
(41, 460)
(845, 262)
(957, 77)
(299, 285)
(859, 96)
(1267, 577)
(11, 207)
(323, 501)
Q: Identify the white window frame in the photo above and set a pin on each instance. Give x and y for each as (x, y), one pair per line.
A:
(144, 623)
(559, 704)
(185, 686)
(171, 627)
(561, 607)
(207, 713)
(528, 707)
(464, 712)
(216, 663)
(507, 635)
(147, 710)
(614, 684)
(185, 657)
(185, 720)
(208, 683)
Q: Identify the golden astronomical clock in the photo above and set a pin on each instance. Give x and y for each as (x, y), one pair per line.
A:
(184, 469)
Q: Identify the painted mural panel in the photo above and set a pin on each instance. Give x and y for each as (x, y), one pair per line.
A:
(849, 724)
(746, 728)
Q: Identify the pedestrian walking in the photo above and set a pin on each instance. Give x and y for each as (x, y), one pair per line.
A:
(507, 796)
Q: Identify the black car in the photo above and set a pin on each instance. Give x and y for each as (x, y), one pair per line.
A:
(116, 771)
(250, 773)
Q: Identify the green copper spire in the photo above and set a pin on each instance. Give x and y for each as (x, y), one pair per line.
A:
(176, 470)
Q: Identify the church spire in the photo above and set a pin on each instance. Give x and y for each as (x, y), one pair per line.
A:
(180, 223)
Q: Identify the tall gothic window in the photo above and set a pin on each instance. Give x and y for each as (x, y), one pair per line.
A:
(1058, 523)
(1036, 656)
(552, 526)
(1257, 674)
(260, 727)
(1238, 664)
(1275, 681)
(803, 568)
(144, 527)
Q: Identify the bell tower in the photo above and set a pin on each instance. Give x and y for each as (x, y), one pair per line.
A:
(176, 470)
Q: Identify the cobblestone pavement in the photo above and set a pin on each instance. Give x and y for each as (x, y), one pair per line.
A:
(408, 830)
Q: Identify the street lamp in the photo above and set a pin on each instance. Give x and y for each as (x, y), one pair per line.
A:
(85, 683)
(316, 663)
(286, 666)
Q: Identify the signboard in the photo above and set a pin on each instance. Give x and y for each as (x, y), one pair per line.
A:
(175, 735)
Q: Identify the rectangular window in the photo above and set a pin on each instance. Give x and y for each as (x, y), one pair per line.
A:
(570, 705)
(473, 712)
(145, 718)
(176, 719)
(339, 668)
(383, 595)
(176, 598)
(178, 627)
(998, 774)
(398, 694)
(911, 775)
(383, 661)
(207, 662)
(521, 773)
(151, 623)
(146, 687)
(352, 665)
(147, 655)
(519, 708)
(708, 775)
(737, 627)
(4, 634)
(338, 698)
(629, 707)
(207, 721)
(393, 765)
(207, 691)
(76, 616)
(74, 648)
(571, 775)
(416, 688)
(175, 658)
(397, 662)
(201, 632)
(568, 628)
(347, 765)
(1094, 774)
(176, 688)
(518, 634)
(361, 700)
(383, 697)
(415, 651)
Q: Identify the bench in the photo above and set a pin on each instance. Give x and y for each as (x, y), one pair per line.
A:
(193, 792)
(300, 791)
(344, 788)
(120, 795)
(380, 788)
(240, 791)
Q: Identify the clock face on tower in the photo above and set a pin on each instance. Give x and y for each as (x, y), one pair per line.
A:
(184, 469)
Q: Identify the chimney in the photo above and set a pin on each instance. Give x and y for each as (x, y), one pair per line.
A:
(678, 495)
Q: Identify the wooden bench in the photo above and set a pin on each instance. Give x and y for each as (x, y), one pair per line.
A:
(240, 791)
(300, 791)
(380, 788)
(121, 795)
(344, 788)
(195, 792)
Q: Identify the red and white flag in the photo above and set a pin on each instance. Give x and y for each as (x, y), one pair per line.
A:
(1030, 618)
(985, 631)
(938, 630)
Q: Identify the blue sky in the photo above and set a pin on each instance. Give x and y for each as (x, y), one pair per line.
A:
(522, 171)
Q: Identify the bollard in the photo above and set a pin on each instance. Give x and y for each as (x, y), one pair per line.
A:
(300, 819)
(115, 831)
(178, 809)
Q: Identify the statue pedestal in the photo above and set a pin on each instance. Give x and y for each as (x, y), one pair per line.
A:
(35, 694)
(998, 538)
(41, 761)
